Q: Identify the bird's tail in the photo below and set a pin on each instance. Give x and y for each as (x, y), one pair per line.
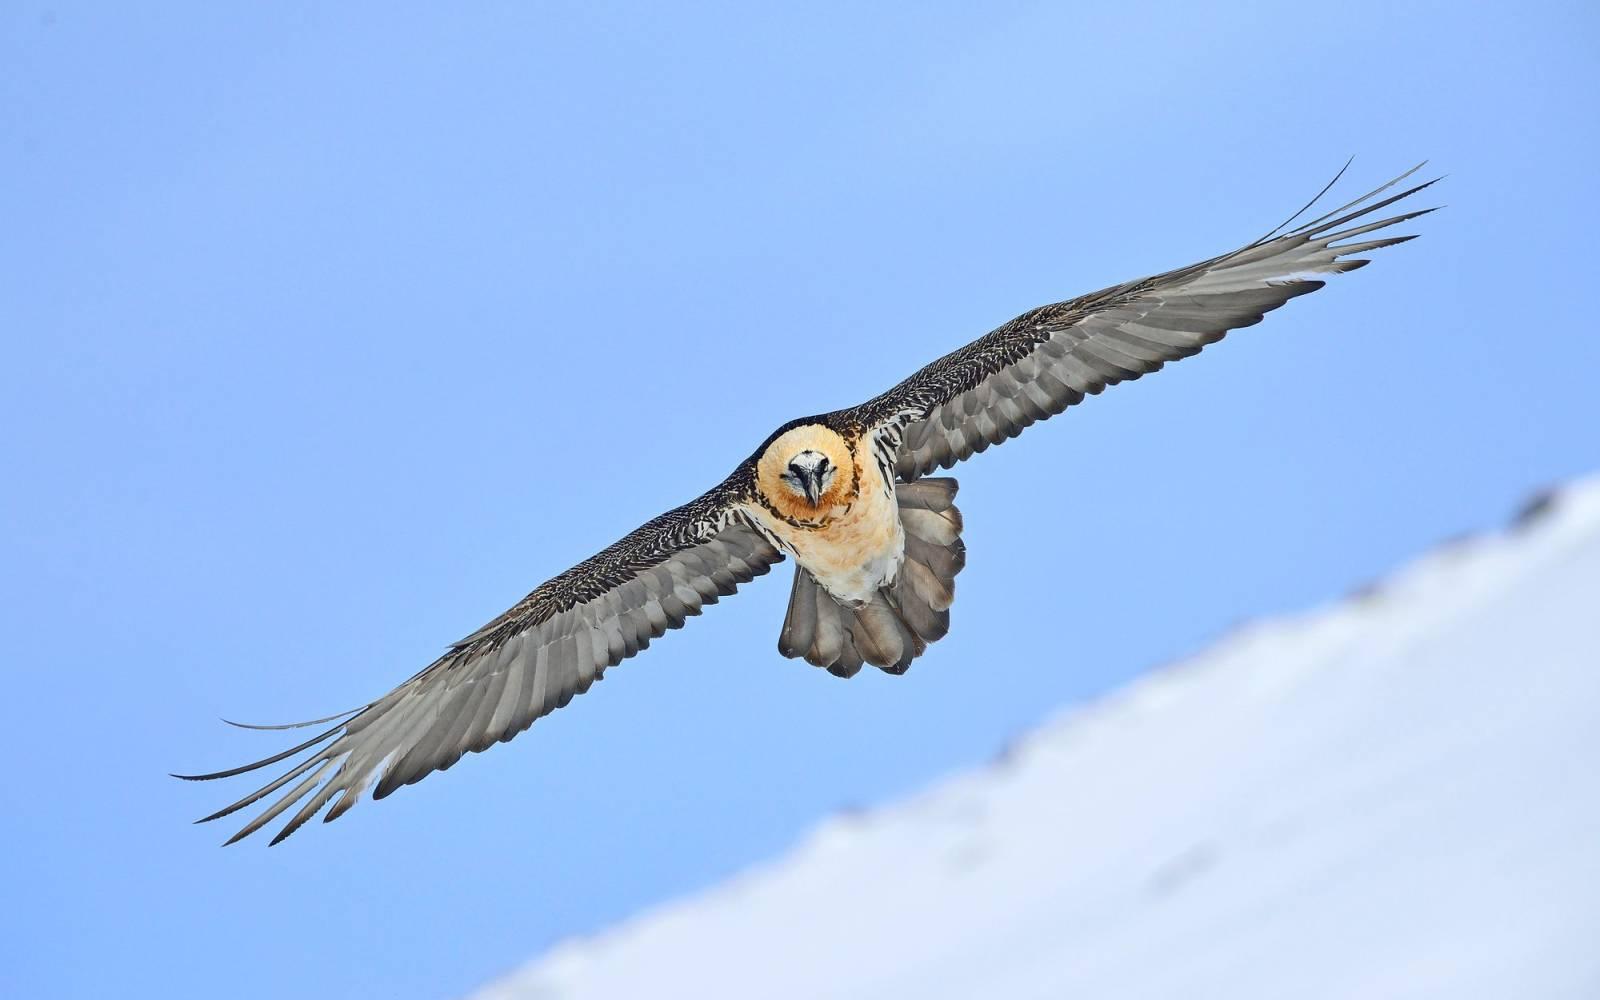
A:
(894, 627)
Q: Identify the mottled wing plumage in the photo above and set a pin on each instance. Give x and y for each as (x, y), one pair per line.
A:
(1049, 358)
(526, 663)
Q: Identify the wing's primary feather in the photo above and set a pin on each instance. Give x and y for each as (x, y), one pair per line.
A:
(1049, 358)
(529, 661)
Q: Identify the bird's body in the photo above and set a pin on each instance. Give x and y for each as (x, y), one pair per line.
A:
(851, 541)
(877, 543)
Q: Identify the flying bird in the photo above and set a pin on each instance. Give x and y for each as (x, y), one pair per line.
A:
(848, 494)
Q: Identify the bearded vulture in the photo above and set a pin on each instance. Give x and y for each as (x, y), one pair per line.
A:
(877, 542)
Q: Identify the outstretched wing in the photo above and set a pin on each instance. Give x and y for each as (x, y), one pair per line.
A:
(524, 664)
(1052, 357)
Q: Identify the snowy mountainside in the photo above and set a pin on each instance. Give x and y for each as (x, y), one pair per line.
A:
(1396, 796)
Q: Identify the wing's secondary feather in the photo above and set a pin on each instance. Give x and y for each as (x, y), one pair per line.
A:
(1052, 357)
(529, 661)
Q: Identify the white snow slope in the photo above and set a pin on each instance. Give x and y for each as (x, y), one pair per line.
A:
(1398, 796)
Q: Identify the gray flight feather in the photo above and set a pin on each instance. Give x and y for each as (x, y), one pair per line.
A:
(529, 661)
(1052, 357)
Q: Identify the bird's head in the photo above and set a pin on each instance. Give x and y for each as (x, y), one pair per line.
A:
(806, 470)
(809, 474)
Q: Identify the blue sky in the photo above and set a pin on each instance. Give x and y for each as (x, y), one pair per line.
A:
(330, 332)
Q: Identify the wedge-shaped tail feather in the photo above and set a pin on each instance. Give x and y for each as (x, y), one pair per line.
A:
(897, 625)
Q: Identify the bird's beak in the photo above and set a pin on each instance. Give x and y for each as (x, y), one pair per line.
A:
(811, 480)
